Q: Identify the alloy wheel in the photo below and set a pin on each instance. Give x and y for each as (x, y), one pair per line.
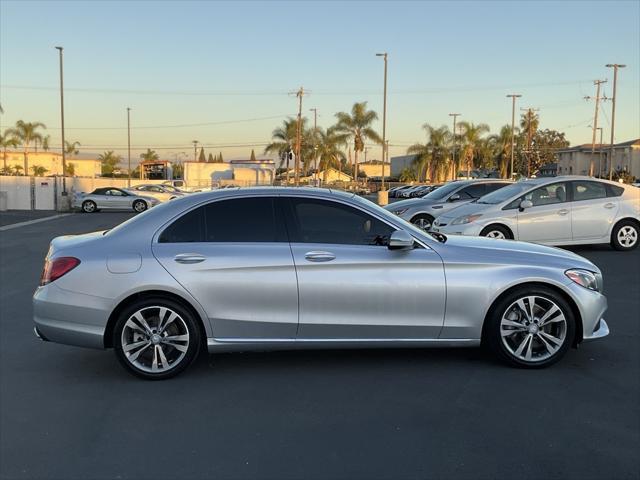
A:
(140, 206)
(423, 223)
(533, 328)
(155, 339)
(495, 234)
(627, 236)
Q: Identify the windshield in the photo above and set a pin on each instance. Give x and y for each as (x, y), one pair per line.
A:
(443, 191)
(505, 193)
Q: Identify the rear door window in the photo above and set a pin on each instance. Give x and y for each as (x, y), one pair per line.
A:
(587, 190)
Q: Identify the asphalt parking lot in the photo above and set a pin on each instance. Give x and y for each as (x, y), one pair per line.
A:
(70, 413)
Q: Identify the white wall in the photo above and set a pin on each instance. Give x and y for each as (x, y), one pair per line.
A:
(18, 192)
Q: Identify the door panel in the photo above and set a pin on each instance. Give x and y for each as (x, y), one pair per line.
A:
(549, 220)
(247, 290)
(592, 212)
(369, 292)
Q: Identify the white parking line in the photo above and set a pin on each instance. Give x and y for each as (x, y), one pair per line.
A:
(31, 222)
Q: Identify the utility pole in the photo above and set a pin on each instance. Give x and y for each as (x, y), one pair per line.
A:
(453, 161)
(513, 127)
(296, 174)
(64, 157)
(129, 146)
(315, 141)
(384, 125)
(600, 155)
(195, 150)
(592, 163)
(529, 136)
(615, 67)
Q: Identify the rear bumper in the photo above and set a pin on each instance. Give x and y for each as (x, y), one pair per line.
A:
(71, 318)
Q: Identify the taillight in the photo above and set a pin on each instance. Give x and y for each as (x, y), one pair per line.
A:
(54, 269)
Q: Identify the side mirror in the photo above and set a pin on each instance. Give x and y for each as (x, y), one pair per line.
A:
(524, 204)
(454, 198)
(400, 240)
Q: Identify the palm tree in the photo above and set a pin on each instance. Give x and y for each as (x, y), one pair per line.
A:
(432, 158)
(329, 150)
(27, 132)
(284, 140)
(471, 140)
(38, 171)
(357, 127)
(45, 143)
(109, 161)
(7, 140)
(71, 148)
(503, 148)
(71, 170)
(17, 169)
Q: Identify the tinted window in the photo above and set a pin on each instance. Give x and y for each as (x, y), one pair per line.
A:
(547, 195)
(443, 191)
(321, 221)
(233, 220)
(115, 193)
(492, 187)
(588, 191)
(243, 220)
(614, 190)
(188, 228)
(472, 191)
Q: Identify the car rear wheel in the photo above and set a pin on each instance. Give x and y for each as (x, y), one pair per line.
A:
(89, 206)
(423, 221)
(495, 231)
(139, 206)
(625, 236)
(532, 327)
(156, 339)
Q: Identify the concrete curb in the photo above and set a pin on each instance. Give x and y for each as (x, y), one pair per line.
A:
(31, 222)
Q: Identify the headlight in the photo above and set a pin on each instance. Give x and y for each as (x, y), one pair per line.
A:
(466, 219)
(401, 211)
(585, 278)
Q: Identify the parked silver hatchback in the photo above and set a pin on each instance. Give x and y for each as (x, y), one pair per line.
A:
(273, 268)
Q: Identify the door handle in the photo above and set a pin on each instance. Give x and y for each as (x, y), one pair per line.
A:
(609, 205)
(319, 256)
(188, 258)
(563, 211)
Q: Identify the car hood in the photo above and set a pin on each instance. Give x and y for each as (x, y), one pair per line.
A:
(462, 210)
(511, 251)
(411, 203)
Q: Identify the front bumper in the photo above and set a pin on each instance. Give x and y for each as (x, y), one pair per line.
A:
(468, 229)
(592, 306)
(71, 318)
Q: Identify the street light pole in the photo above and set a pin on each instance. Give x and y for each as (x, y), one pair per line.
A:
(453, 164)
(385, 151)
(615, 67)
(315, 141)
(513, 126)
(129, 146)
(600, 155)
(64, 158)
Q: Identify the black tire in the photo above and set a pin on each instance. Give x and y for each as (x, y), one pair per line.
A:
(186, 321)
(423, 221)
(139, 206)
(494, 231)
(89, 206)
(625, 235)
(498, 343)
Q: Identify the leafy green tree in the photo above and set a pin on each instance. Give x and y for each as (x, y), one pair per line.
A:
(7, 140)
(220, 159)
(45, 143)
(356, 126)
(109, 162)
(202, 158)
(27, 133)
(71, 170)
(408, 174)
(210, 159)
(38, 170)
(17, 169)
(253, 156)
(545, 144)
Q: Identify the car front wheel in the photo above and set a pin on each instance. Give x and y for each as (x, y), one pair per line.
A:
(423, 221)
(89, 206)
(532, 327)
(625, 236)
(495, 231)
(156, 338)
(139, 206)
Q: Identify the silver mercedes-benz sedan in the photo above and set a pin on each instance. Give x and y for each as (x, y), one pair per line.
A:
(278, 268)
(112, 198)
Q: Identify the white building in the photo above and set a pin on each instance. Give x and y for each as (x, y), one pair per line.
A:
(576, 160)
(51, 162)
(237, 172)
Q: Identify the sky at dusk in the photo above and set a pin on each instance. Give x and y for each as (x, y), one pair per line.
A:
(221, 72)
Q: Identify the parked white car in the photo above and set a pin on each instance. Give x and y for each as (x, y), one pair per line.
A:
(569, 210)
(163, 193)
